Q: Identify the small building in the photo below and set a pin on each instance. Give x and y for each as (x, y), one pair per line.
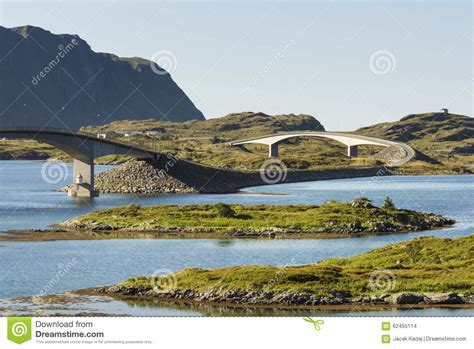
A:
(445, 111)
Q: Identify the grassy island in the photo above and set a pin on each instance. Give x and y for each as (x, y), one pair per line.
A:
(425, 271)
(331, 219)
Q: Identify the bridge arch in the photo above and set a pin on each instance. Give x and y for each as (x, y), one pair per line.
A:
(350, 140)
(83, 148)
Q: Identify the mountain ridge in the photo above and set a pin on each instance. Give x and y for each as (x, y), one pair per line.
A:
(57, 80)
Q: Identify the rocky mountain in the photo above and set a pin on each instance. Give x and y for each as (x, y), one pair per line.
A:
(59, 81)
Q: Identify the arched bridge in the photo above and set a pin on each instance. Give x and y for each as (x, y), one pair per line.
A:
(350, 140)
(83, 148)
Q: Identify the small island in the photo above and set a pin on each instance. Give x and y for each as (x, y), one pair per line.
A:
(331, 219)
(422, 272)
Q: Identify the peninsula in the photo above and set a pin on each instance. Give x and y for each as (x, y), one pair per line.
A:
(422, 272)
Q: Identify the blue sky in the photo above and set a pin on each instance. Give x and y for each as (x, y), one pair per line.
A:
(348, 63)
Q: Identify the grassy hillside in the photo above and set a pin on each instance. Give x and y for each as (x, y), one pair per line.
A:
(11, 149)
(424, 264)
(445, 143)
(206, 141)
(229, 127)
(445, 138)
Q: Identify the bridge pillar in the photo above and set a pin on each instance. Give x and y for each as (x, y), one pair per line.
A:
(86, 188)
(273, 150)
(352, 151)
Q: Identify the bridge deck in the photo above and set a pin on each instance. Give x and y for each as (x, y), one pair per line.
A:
(78, 134)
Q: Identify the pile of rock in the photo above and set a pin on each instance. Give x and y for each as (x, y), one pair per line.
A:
(139, 177)
(390, 154)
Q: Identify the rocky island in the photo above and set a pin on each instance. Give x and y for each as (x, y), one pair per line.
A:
(422, 272)
(331, 219)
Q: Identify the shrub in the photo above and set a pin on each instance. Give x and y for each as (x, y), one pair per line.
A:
(224, 210)
(388, 203)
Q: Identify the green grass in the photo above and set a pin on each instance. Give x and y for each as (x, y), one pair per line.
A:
(329, 217)
(424, 264)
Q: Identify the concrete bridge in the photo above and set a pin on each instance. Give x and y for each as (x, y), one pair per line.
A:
(83, 148)
(350, 140)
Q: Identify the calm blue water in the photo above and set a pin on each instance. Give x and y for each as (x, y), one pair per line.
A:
(27, 201)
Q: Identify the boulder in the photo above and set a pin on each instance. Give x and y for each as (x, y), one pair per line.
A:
(409, 298)
(445, 298)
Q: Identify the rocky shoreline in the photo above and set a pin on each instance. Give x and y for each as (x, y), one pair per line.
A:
(285, 299)
(79, 228)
